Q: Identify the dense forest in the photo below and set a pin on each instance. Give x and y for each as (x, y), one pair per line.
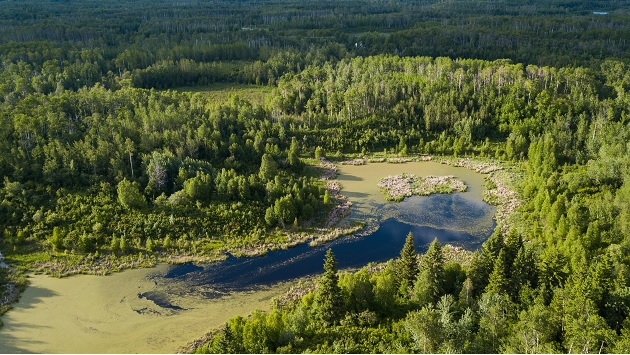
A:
(556, 282)
(101, 158)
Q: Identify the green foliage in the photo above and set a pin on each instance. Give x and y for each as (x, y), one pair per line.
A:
(284, 210)
(622, 345)
(495, 314)
(319, 152)
(56, 240)
(129, 195)
(386, 290)
(535, 331)
(359, 291)
(498, 282)
(326, 197)
(429, 286)
(94, 159)
(199, 188)
(408, 264)
(424, 327)
(268, 168)
(328, 297)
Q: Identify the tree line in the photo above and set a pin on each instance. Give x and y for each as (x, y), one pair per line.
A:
(61, 45)
(87, 170)
(504, 301)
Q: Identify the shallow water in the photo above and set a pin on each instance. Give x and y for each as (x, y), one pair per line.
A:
(161, 309)
(104, 314)
(458, 211)
(462, 219)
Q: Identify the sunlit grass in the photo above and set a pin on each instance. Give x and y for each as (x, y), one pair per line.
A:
(222, 92)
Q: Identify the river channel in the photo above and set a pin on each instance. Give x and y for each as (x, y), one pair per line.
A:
(158, 310)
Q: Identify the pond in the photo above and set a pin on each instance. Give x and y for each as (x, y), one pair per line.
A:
(160, 309)
(107, 314)
(464, 212)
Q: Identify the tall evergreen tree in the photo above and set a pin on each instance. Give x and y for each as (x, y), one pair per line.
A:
(482, 264)
(524, 272)
(292, 154)
(429, 285)
(329, 299)
(408, 264)
(493, 245)
(224, 342)
(499, 281)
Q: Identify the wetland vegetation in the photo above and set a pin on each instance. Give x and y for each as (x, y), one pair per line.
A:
(152, 298)
(397, 187)
(141, 132)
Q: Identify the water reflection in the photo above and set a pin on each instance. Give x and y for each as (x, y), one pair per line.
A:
(239, 274)
(462, 219)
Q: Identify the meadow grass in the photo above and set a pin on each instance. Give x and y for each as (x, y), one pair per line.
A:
(222, 92)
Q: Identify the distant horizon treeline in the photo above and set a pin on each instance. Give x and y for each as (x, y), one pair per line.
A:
(67, 45)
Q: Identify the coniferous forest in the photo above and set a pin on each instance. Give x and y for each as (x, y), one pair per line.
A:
(112, 150)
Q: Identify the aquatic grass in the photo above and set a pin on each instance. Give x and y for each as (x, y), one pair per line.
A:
(12, 284)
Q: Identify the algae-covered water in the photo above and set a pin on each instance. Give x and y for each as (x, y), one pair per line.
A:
(106, 314)
(464, 212)
(158, 310)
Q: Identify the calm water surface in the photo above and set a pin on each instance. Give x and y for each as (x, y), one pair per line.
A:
(461, 219)
(158, 310)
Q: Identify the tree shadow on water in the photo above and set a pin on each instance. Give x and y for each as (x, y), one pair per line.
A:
(11, 339)
(347, 177)
(355, 194)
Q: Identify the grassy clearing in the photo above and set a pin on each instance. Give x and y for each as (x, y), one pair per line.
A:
(221, 92)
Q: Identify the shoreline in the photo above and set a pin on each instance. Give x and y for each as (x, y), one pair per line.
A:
(11, 291)
(308, 284)
(92, 264)
(497, 173)
(499, 194)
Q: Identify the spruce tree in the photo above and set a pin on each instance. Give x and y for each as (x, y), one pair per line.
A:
(429, 286)
(493, 245)
(329, 299)
(482, 264)
(408, 264)
(523, 273)
(224, 342)
(292, 155)
(499, 282)
(513, 242)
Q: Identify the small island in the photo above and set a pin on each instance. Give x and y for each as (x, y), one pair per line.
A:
(397, 187)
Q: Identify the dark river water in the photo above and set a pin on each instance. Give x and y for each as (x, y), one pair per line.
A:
(158, 310)
(384, 243)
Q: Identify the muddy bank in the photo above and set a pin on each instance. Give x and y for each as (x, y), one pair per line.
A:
(14, 283)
